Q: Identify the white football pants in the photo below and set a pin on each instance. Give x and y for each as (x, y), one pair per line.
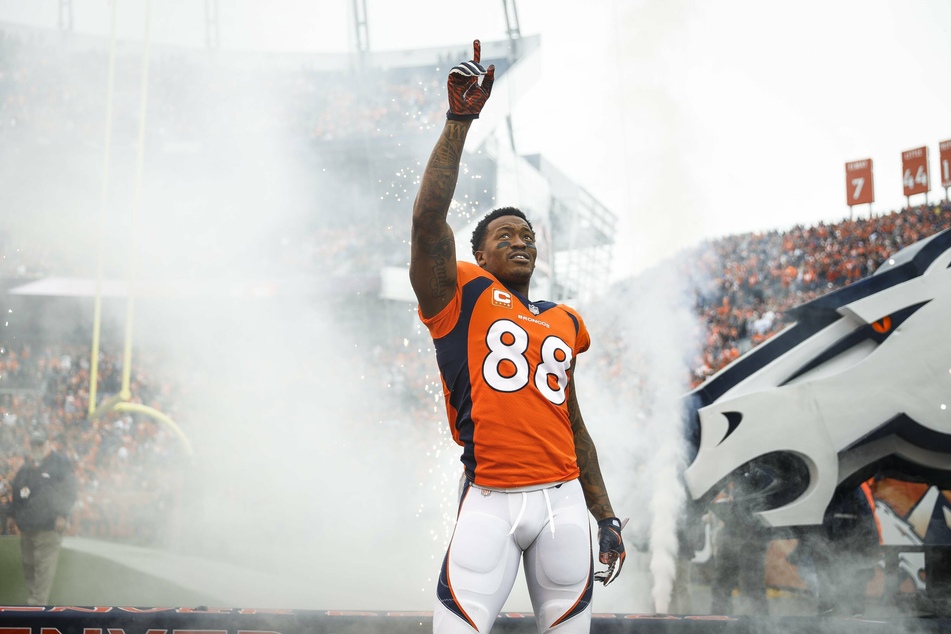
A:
(549, 529)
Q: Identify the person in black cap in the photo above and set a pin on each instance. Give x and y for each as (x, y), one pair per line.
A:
(44, 491)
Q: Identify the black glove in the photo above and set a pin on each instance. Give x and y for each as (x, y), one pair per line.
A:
(611, 547)
(466, 95)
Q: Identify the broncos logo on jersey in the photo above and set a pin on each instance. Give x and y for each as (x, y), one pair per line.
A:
(859, 383)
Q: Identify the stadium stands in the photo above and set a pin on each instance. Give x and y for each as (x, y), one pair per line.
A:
(745, 283)
(741, 286)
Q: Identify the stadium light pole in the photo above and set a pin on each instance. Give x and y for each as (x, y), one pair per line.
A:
(212, 25)
(512, 28)
(362, 30)
(66, 16)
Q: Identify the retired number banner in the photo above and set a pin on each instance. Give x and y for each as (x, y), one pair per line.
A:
(914, 169)
(944, 162)
(858, 183)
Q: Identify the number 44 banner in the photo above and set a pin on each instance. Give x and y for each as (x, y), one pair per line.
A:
(914, 169)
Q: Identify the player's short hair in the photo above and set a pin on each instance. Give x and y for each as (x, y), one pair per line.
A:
(478, 234)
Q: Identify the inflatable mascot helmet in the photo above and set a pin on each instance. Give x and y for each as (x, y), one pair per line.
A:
(859, 382)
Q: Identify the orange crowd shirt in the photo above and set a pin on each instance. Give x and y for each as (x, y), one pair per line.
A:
(505, 365)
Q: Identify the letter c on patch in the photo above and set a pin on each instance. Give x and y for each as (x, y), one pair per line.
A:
(501, 298)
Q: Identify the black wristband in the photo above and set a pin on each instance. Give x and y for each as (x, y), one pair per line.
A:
(460, 117)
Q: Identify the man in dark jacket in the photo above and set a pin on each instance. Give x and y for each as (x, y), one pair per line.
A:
(44, 491)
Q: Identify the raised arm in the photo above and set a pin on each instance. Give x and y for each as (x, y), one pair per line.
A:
(432, 269)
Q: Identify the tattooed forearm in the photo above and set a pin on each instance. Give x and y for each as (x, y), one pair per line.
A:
(432, 268)
(442, 171)
(456, 131)
(592, 483)
(447, 153)
(435, 195)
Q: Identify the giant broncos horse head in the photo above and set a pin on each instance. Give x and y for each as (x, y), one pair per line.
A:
(859, 383)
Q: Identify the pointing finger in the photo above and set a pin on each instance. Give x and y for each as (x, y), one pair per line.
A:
(476, 51)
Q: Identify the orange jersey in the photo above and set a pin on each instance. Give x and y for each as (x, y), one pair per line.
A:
(505, 372)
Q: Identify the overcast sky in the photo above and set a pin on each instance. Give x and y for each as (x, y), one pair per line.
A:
(687, 118)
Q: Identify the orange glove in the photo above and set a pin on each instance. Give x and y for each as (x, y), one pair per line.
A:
(466, 95)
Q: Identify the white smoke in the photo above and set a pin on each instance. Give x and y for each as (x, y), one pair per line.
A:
(307, 467)
(666, 507)
(644, 335)
(668, 328)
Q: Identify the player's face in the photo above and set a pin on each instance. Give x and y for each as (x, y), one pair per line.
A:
(509, 251)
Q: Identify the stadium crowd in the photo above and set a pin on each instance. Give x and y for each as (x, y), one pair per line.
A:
(125, 464)
(741, 287)
(746, 283)
(56, 93)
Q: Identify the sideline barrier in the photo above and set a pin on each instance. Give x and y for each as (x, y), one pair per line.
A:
(202, 620)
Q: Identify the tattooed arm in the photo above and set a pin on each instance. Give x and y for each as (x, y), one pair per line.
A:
(432, 268)
(595, 493)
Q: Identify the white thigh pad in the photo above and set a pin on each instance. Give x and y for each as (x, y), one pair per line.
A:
(565, 558)
(479, 545)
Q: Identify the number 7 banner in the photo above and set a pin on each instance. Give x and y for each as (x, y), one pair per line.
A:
(858, 183)
(914, 170)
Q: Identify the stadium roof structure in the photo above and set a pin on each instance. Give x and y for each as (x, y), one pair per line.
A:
(433, 56)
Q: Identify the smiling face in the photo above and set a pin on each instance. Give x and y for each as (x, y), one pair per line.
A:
(509, 252)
